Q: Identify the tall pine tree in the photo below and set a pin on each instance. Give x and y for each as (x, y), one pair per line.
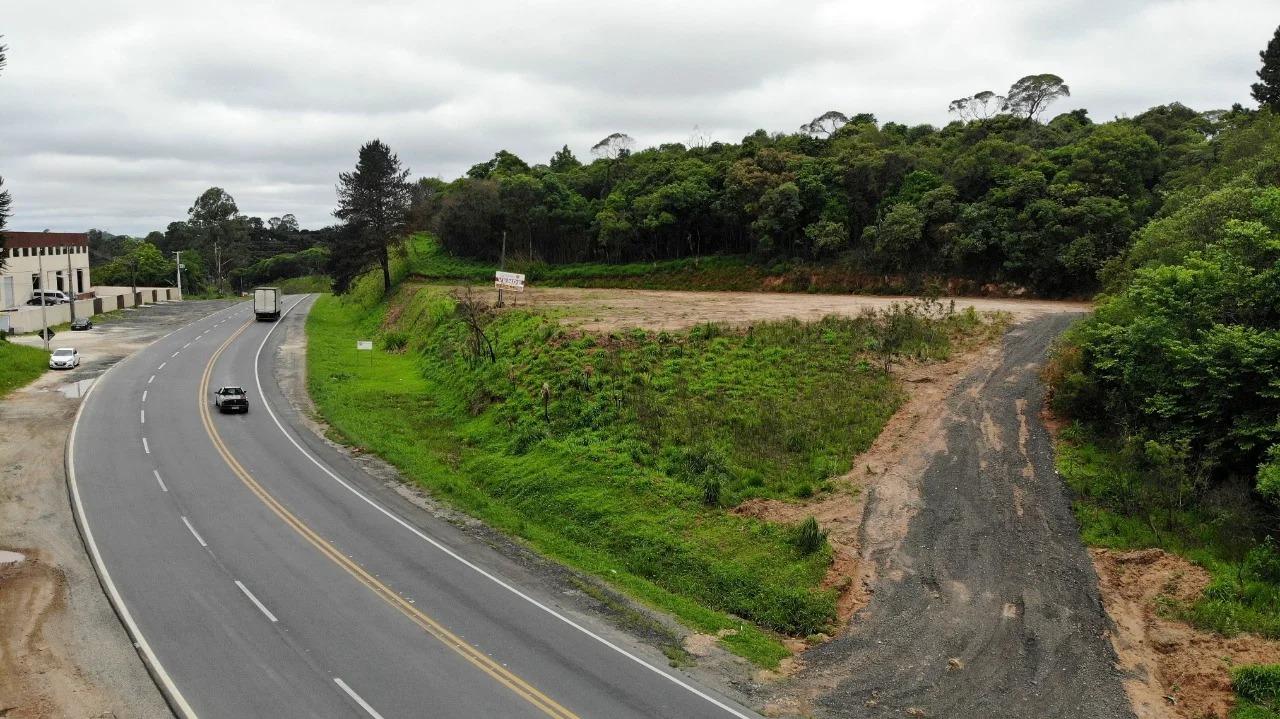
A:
(1267, 92)
(373, 203)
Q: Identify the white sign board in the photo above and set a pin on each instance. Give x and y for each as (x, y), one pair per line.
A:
(364, 344)
(509, 280)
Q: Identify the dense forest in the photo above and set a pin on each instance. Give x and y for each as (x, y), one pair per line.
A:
(996, 195)
(1173, 383)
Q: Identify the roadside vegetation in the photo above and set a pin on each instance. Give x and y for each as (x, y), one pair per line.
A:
(621, 453)
(1173, 387)
(20, 365)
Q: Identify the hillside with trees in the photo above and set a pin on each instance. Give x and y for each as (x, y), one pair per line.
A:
(1173, 384)
(997, 195)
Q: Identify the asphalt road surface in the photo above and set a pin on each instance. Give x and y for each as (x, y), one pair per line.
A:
(995, 612)
(263, 575)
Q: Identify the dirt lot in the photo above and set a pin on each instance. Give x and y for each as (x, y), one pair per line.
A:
(669, 310)
(63, 652)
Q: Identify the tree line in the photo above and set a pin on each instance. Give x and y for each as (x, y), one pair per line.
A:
(996, 195)
(222, 249)
(1179, 368)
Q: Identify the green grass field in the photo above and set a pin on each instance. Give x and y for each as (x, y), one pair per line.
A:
(20, 365)
(619, 453)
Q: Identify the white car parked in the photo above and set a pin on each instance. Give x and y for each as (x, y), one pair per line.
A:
(64, 358)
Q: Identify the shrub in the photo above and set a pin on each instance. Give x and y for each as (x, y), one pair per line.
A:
(711, 491)
(1263, 562)
(809, 538)
(395, 341)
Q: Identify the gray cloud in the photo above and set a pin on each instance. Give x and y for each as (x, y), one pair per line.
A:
(118, 115)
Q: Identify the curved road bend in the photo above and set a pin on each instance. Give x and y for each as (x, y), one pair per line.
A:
(268, 578)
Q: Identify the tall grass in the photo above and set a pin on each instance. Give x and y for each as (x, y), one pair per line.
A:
(20, 365)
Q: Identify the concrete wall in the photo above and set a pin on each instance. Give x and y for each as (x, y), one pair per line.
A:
(108, 299)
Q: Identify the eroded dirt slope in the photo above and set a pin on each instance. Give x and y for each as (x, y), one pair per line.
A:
(988, 606)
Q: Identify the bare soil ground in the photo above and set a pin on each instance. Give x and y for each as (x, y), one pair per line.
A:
(970, 594)
(1173, 670)
(63, 652)
(605, 310)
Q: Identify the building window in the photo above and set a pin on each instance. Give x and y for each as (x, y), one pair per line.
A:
(35, 281)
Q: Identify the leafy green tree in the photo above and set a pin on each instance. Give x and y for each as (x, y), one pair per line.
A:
(1029, 96)
(373, 203)
(1267, 91)
(563, 160)
(139, 264)
(219, 230)
(898, 241)
(826, 237)
(778, 224)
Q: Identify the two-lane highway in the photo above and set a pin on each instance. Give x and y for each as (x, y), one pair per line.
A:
(262, 575)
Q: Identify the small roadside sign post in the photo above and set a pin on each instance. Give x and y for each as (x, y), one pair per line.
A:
(509, 280)
(365, 346)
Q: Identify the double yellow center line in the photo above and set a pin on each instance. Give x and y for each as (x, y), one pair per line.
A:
(500, 673)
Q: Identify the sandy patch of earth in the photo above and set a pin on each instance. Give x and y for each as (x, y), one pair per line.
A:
(605, 310)
(1174, 670)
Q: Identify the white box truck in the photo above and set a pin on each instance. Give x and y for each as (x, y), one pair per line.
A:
(266, 303)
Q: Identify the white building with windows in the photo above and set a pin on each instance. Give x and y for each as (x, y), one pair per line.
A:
(43, 261)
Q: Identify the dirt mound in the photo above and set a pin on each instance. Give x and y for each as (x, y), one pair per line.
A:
(1173, 669)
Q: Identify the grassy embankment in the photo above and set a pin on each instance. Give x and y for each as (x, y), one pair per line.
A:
(20, 365)
(619, 454)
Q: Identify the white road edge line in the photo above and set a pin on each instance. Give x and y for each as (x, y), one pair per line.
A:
(163, 488)
(200, 539)
(351, 693)
(255, 601)
(145, 447)
(257, 377)
(157, 670)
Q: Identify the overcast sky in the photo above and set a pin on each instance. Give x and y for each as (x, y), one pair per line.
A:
(117, 115)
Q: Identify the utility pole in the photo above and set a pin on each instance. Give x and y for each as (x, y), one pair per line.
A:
(72, 287)
(44, 318)
(502, 263)
(177, 266)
